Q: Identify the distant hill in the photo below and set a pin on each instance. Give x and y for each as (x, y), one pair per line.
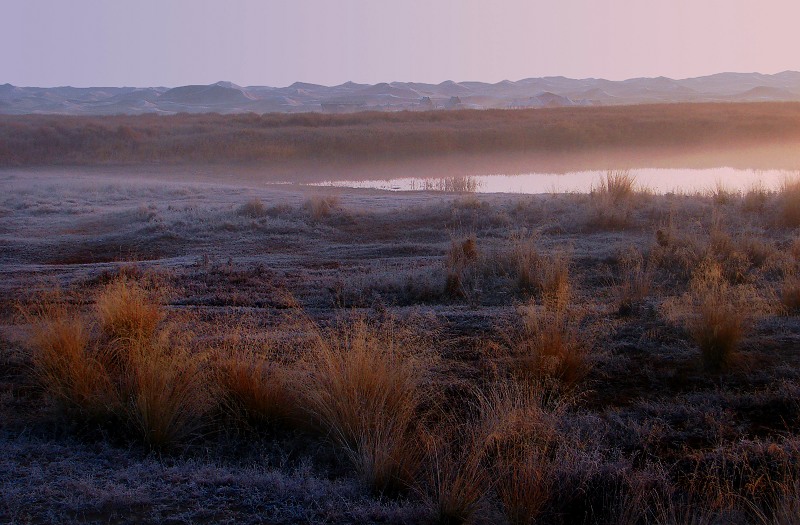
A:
(227, 97)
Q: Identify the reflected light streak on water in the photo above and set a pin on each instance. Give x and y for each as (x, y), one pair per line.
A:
(655, 179)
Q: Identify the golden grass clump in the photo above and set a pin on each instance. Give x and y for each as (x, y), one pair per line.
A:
(147, 380)
(617, 186)
(167, 391)
(522, 442)
(253, 208)
(789, 202)
(126, 310)
(525, 260)
(717, 323)
(321, 207)
(254, 386)
(458, 475)
(66, 363)
(365, 385)
(548, 345)
(462, 257)
(612, 201)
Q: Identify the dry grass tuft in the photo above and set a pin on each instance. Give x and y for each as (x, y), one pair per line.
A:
(459, 479)
(722, 194)
(66, 364)
(790, 294)
(525, 260)
(618, 186)
(789, 202)
(555, 285)
(548, 345)
(755, 198)
(321, 207)
(126, 310)
(718, 322)
(253, 208)
(254, 386)
(168, 390)
(612, 200)
(637, 278)
(461, 261)
(146, 379)
(365, 386)
(521, 438)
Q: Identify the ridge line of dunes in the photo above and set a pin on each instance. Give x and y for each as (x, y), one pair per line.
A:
(37, 140)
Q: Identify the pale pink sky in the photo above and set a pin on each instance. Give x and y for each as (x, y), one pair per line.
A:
(276, 42)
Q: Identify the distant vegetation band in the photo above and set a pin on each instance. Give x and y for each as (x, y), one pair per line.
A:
(36, 140)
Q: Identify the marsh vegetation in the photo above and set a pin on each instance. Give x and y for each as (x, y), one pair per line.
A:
(611, 357)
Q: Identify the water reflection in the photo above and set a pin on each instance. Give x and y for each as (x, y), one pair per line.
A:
(658, 180)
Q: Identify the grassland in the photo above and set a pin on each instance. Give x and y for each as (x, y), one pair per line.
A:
(208, 352)
(40, 140)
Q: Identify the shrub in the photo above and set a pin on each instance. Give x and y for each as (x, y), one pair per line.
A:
(364, 389)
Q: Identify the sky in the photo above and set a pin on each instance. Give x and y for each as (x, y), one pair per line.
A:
(277, 42)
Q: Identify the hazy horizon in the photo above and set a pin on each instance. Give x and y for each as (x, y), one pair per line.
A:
(94, 43)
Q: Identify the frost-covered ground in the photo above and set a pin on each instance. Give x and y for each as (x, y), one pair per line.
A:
(243, 251)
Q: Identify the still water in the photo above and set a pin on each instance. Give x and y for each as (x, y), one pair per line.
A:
(658, 180)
